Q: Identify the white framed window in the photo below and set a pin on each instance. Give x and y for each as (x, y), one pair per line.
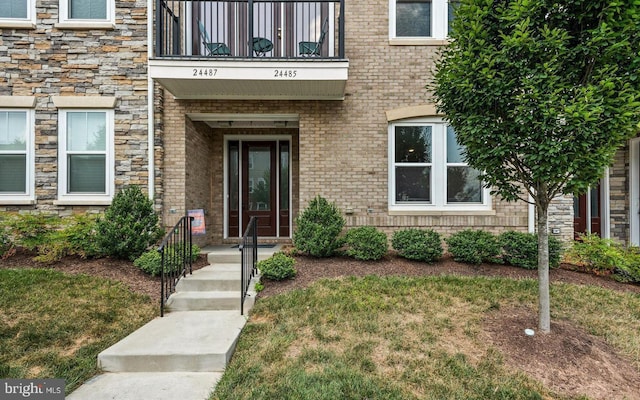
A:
(412, 20)
(85, 156)
(78, 13)
(427, 171)
(16, 156)
(17, 13)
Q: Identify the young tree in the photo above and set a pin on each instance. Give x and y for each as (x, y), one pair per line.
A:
(542, 93)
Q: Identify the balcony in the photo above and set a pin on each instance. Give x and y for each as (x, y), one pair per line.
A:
(252, 49)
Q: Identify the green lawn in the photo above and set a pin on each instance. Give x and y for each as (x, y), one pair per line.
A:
(54, 325)
(405, 338)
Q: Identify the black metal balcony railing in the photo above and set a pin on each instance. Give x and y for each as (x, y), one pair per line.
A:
(282, 29)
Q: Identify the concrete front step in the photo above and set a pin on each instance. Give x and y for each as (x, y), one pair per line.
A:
(198, 301)
(148, 385)
(210, 279)
(195, 341)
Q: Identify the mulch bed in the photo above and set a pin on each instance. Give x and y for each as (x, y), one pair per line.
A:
(310, 269)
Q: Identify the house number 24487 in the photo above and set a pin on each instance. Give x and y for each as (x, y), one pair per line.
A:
(204, 72)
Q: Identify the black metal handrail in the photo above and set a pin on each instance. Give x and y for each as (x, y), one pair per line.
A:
(249, 249)
(175, 255)
(265, 29)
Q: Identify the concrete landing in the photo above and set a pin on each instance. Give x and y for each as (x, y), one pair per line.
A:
(148, 386)
(231, 254)
(194, 341)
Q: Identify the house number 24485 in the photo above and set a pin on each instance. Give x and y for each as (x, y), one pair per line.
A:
(285, 73)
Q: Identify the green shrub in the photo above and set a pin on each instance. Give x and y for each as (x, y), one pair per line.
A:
(82, 235)
(600, 256)
(604, 256)
(277, 267)
(5, 243)
(30, 230)
(150, 261)
(417, 244)
(129, 225)
(75, 236)
(366, 243)
(318, 228)
(630, 270)
(521, 249)
(474, 247)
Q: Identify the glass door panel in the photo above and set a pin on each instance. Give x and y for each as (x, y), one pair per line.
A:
(259, 178)
(283, 193)
(233, 204)
(258, 187)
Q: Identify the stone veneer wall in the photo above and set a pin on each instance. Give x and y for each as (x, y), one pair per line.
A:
(619, 196)
(46, 61)
(560, 216)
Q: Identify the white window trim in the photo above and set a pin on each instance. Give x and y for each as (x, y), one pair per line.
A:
(25, 23)
(65, 22)
(29, 196)
(439, 22)
(65, 198)
(438, 175)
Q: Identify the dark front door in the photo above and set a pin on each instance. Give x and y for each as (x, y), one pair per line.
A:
(259, 186)
(586, 212)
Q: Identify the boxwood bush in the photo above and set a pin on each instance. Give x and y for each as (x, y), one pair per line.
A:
(366, 243)
(521, 249)
(277, 267)
(151, 261)
(417, 244)
(129, 226)
(474, 246)
(318, 228)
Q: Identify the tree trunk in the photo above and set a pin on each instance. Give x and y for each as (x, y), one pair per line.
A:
(543, 270)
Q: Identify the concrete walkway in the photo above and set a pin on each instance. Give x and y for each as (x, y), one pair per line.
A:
(181, 356)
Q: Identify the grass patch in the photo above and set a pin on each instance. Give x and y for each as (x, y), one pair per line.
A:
(54, 325)
(404, 338)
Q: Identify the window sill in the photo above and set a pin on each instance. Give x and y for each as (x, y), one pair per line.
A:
(17, 202)
(85, 25)
(418, 42)
(17, 25)
(82, 202)
(441, 212)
